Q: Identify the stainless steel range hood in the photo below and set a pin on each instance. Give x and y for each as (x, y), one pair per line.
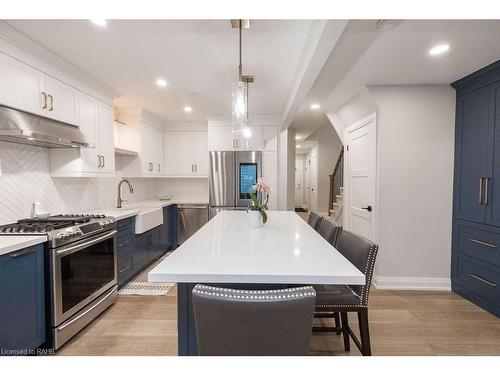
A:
(21, 127)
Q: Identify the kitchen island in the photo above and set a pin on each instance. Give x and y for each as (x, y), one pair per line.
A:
(227, 251)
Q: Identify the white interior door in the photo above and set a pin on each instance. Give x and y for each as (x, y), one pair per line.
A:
(361, 155)
(307, 191)
(299, 182)
(313, 180)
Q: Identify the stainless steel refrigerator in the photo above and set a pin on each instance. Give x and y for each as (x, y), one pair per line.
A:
(232, 174)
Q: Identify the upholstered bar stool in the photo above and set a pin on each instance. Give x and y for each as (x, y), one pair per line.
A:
(314, 220)
(253, 322)
(330, 231)
(342, 299)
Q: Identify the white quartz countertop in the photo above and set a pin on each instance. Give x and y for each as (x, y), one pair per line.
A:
(286, 250)
(8, 244)
(132, 209)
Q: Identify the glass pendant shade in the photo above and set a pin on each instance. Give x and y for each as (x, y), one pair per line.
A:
(240, 110)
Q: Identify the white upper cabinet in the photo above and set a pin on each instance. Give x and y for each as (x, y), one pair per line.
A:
(62, 101)
(96, 123)
(28, 89)
(255, 138)
(152, 150)
(221, 139)
(106, 138)
(270, 138)
(170, 152)
(21, 86)
(186, 153)
(201, 153)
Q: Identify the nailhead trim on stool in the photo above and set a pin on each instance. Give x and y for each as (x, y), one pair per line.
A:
(255, 294)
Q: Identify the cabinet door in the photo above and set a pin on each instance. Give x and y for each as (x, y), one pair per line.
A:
(493, 198)
(165, 235)
(270, 138)
(250, 140)
(62, 101)
(270, 173)
(159, 159)
(148, 153)
(140, 259)
(21, 86)
(201, 153)
(472, 144)
(221, 139)
(88, 119)
(106, 138)
(22, 299)
(170, 152)
(186, 153)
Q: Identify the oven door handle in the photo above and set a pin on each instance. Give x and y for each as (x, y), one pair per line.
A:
(73, 249)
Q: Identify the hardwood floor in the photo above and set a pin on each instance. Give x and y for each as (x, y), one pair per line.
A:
(401, 323)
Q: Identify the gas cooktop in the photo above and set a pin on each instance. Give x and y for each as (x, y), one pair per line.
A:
(61, 229)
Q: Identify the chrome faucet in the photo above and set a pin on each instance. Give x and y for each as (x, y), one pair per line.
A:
(119, 199)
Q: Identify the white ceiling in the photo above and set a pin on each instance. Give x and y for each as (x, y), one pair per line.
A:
(197, 58)
(367, 56)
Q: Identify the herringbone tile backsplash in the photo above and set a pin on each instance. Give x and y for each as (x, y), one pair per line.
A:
(25, 178)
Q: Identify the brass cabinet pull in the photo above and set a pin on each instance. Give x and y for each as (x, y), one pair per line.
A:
(196, 168)
(124, 269)
(158, 167)
(482, 280)
(493, 246)
(150, 167)
(44, 100)
(98, 161)
(481, 190)
(486, 180)
(51, 102)
(103, 161)
(21, 254)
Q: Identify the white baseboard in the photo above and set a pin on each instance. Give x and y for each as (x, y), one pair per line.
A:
(411, 283)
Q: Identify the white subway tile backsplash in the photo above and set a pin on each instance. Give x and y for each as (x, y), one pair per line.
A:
(25, 178)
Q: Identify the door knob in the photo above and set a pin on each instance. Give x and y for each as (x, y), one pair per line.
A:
(367, 208)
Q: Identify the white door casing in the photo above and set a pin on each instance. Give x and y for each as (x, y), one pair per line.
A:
(299, 182)
(360, 176)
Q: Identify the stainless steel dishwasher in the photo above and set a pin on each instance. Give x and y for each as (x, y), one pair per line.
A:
(190, 218)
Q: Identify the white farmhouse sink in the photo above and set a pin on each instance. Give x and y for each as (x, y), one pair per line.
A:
(148, 218)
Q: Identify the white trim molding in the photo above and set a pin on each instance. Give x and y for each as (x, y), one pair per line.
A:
(411, 283)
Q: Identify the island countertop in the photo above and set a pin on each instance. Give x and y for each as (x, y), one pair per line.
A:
(285, 250)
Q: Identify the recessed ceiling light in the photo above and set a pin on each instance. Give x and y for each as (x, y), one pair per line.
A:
(314, 106)
(187, 109)
(297, 137)
(298, 146)
(439, 49)
(161, 82)
(98, 21)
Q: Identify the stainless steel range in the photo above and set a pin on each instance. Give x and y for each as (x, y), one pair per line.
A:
(81, 270)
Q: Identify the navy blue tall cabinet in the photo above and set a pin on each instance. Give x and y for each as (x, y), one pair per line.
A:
(475, 266)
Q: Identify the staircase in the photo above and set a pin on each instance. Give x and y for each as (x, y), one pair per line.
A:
(336, 188)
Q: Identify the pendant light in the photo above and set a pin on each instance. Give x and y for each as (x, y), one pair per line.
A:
(240, 87)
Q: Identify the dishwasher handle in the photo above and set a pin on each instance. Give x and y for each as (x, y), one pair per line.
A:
(192, 206)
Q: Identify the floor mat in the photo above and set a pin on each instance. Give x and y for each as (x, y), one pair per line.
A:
(300, 209)
(140, 286)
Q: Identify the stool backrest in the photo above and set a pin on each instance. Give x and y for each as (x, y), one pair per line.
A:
(253, 322)
(314, 220)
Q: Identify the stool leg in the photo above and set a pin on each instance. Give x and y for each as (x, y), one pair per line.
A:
(336, 316)
(345, 331)
(364, 331)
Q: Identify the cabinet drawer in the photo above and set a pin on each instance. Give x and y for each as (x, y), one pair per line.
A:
(479, 277)
(124, 224)
(124, 242)
(125, 269)
(479, 242)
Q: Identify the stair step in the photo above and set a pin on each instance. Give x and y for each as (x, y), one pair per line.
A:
(339, 196)
(341, 188)
(335, 205)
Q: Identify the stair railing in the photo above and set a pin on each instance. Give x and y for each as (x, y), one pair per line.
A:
(336, 181)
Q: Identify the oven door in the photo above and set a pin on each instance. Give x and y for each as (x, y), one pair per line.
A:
(80, 273)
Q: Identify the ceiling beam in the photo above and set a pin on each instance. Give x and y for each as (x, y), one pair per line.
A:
(322, 38)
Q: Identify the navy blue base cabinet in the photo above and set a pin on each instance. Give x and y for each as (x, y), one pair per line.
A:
(475, 266)
(22, 301)
(136, 252)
